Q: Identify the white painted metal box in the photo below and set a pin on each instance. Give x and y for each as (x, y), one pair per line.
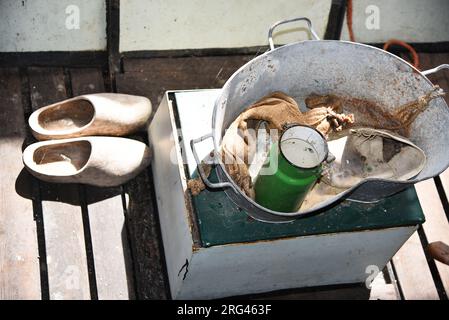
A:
(213, 249)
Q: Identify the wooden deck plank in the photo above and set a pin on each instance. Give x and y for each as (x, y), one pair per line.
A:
(152, 77)
(145, 238)
(113, 265)
(86, 81)
(436, 226)
(64, 233)
(151, 281)
(413, 272)
(381, 289)
(19, 256)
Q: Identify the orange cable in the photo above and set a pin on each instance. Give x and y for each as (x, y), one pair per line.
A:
(415, 58)
(349, 20)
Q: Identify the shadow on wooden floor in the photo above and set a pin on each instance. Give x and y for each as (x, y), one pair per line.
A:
(64, 195)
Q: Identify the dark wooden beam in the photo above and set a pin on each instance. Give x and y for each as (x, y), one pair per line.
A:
(113, 40)
(421, 47)
(207, 52)
(53, 59)
(335, 21)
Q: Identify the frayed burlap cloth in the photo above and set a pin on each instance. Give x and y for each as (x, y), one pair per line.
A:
(277, 111)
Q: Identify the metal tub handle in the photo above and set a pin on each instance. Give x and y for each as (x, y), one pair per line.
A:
(436, 69)
(200, 167)
(309, 25)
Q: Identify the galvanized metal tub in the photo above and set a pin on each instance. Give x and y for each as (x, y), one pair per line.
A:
(331, 67)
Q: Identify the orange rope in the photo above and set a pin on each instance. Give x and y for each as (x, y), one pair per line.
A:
(415, 58)
(349, 20)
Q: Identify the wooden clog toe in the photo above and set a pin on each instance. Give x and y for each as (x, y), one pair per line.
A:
(101, 114)
(99, 161)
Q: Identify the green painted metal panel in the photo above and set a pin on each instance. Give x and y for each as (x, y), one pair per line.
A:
(221, 222)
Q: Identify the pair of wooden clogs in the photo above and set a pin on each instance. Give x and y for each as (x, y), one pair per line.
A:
(80, 140)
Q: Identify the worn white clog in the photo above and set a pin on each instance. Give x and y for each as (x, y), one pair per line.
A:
(101, 114)
(98, 161)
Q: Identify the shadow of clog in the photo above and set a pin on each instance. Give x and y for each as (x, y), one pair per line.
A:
(67, 193)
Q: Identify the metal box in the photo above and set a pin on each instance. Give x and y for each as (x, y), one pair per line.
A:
(213, 249)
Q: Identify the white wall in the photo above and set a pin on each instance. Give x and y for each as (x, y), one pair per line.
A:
(40, 25)
(408, 20)
(187, 24)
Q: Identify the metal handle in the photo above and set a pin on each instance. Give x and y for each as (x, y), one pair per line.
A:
(440, 67)
(200, 167)
(309, 25)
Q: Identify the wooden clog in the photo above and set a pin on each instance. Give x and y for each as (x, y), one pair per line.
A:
(102, 114)
(98, 161)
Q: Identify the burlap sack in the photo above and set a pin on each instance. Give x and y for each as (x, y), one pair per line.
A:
(277, 111)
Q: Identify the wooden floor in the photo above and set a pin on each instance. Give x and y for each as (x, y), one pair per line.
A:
(82, 242)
